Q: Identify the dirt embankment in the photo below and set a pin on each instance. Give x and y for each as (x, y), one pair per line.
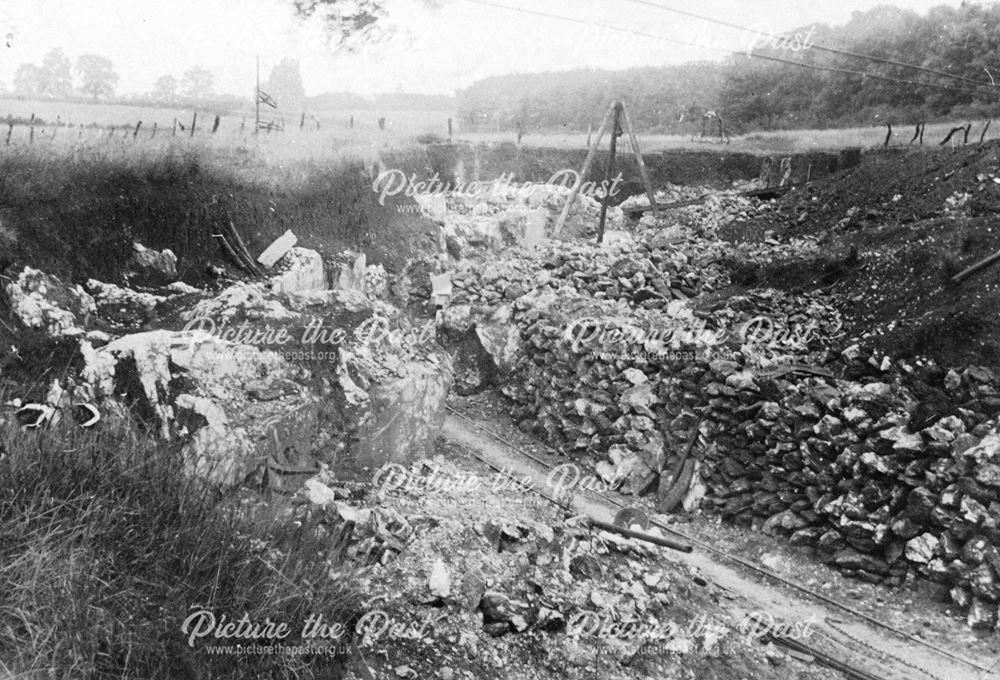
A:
(704, 168)
(896, 229)
(78, 221)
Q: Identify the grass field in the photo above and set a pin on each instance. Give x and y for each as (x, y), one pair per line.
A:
(779, 141)
(329, 133)
(323, 135)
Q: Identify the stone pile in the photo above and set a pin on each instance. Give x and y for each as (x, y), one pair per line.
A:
(641, 275)
(496, 214)
(887, 469)
(705, 217)
(859, 470)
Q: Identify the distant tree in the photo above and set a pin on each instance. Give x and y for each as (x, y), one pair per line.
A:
(52, 79)
(165, 89)
(28, 80)
(197, 82)
(97, 76)
(57, 79)
(285, 86)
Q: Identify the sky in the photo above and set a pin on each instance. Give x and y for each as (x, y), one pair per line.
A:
(434, 49)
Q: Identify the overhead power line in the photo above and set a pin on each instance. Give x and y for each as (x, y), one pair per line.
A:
(753, 55)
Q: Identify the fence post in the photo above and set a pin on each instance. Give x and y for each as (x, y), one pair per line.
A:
(31, 135)
(137, 126)
(153, 136)
(302, 122)
(10, 127)
(215, 125)
(194, 121)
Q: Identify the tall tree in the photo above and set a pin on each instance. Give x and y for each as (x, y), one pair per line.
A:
(56, 74)
(285, 86)
(97, 75)
(165, 89)
(197, 82)
(28, 80)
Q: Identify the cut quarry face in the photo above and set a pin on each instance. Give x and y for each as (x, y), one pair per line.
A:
(192, 377)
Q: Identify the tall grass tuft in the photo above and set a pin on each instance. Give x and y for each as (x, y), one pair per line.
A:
(105, 546)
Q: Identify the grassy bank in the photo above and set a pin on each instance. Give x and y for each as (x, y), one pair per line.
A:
(74, 210)
(104, 547)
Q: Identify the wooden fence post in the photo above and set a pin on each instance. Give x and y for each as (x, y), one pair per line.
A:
(983, 136)
(31, 134)
(215, 125)
(153, 136)
(135, 134)
(951, 134)
(194, 121)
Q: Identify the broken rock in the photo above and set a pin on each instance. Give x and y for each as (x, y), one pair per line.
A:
(42, 301)
(150, 267)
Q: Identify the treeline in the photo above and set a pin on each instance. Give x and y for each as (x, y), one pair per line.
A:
(660, 98)
(753, 93)
(393, 101)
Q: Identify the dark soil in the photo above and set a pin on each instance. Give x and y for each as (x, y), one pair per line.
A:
(892, 212)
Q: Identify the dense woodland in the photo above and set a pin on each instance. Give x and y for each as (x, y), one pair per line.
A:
(756, 93)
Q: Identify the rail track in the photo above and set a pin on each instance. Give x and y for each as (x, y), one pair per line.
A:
(849, 641)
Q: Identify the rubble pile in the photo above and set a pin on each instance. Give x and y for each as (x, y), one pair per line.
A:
(495, 214)
(708, 214)
(883, 467)
(867, 472)
(526, 578)
(276, 372)
(842, 465)
(642, 275)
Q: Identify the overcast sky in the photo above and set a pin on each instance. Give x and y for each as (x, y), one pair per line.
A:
(434, 50)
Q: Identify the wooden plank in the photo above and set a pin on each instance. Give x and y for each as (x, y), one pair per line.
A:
(982, 264)
(277, 249)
